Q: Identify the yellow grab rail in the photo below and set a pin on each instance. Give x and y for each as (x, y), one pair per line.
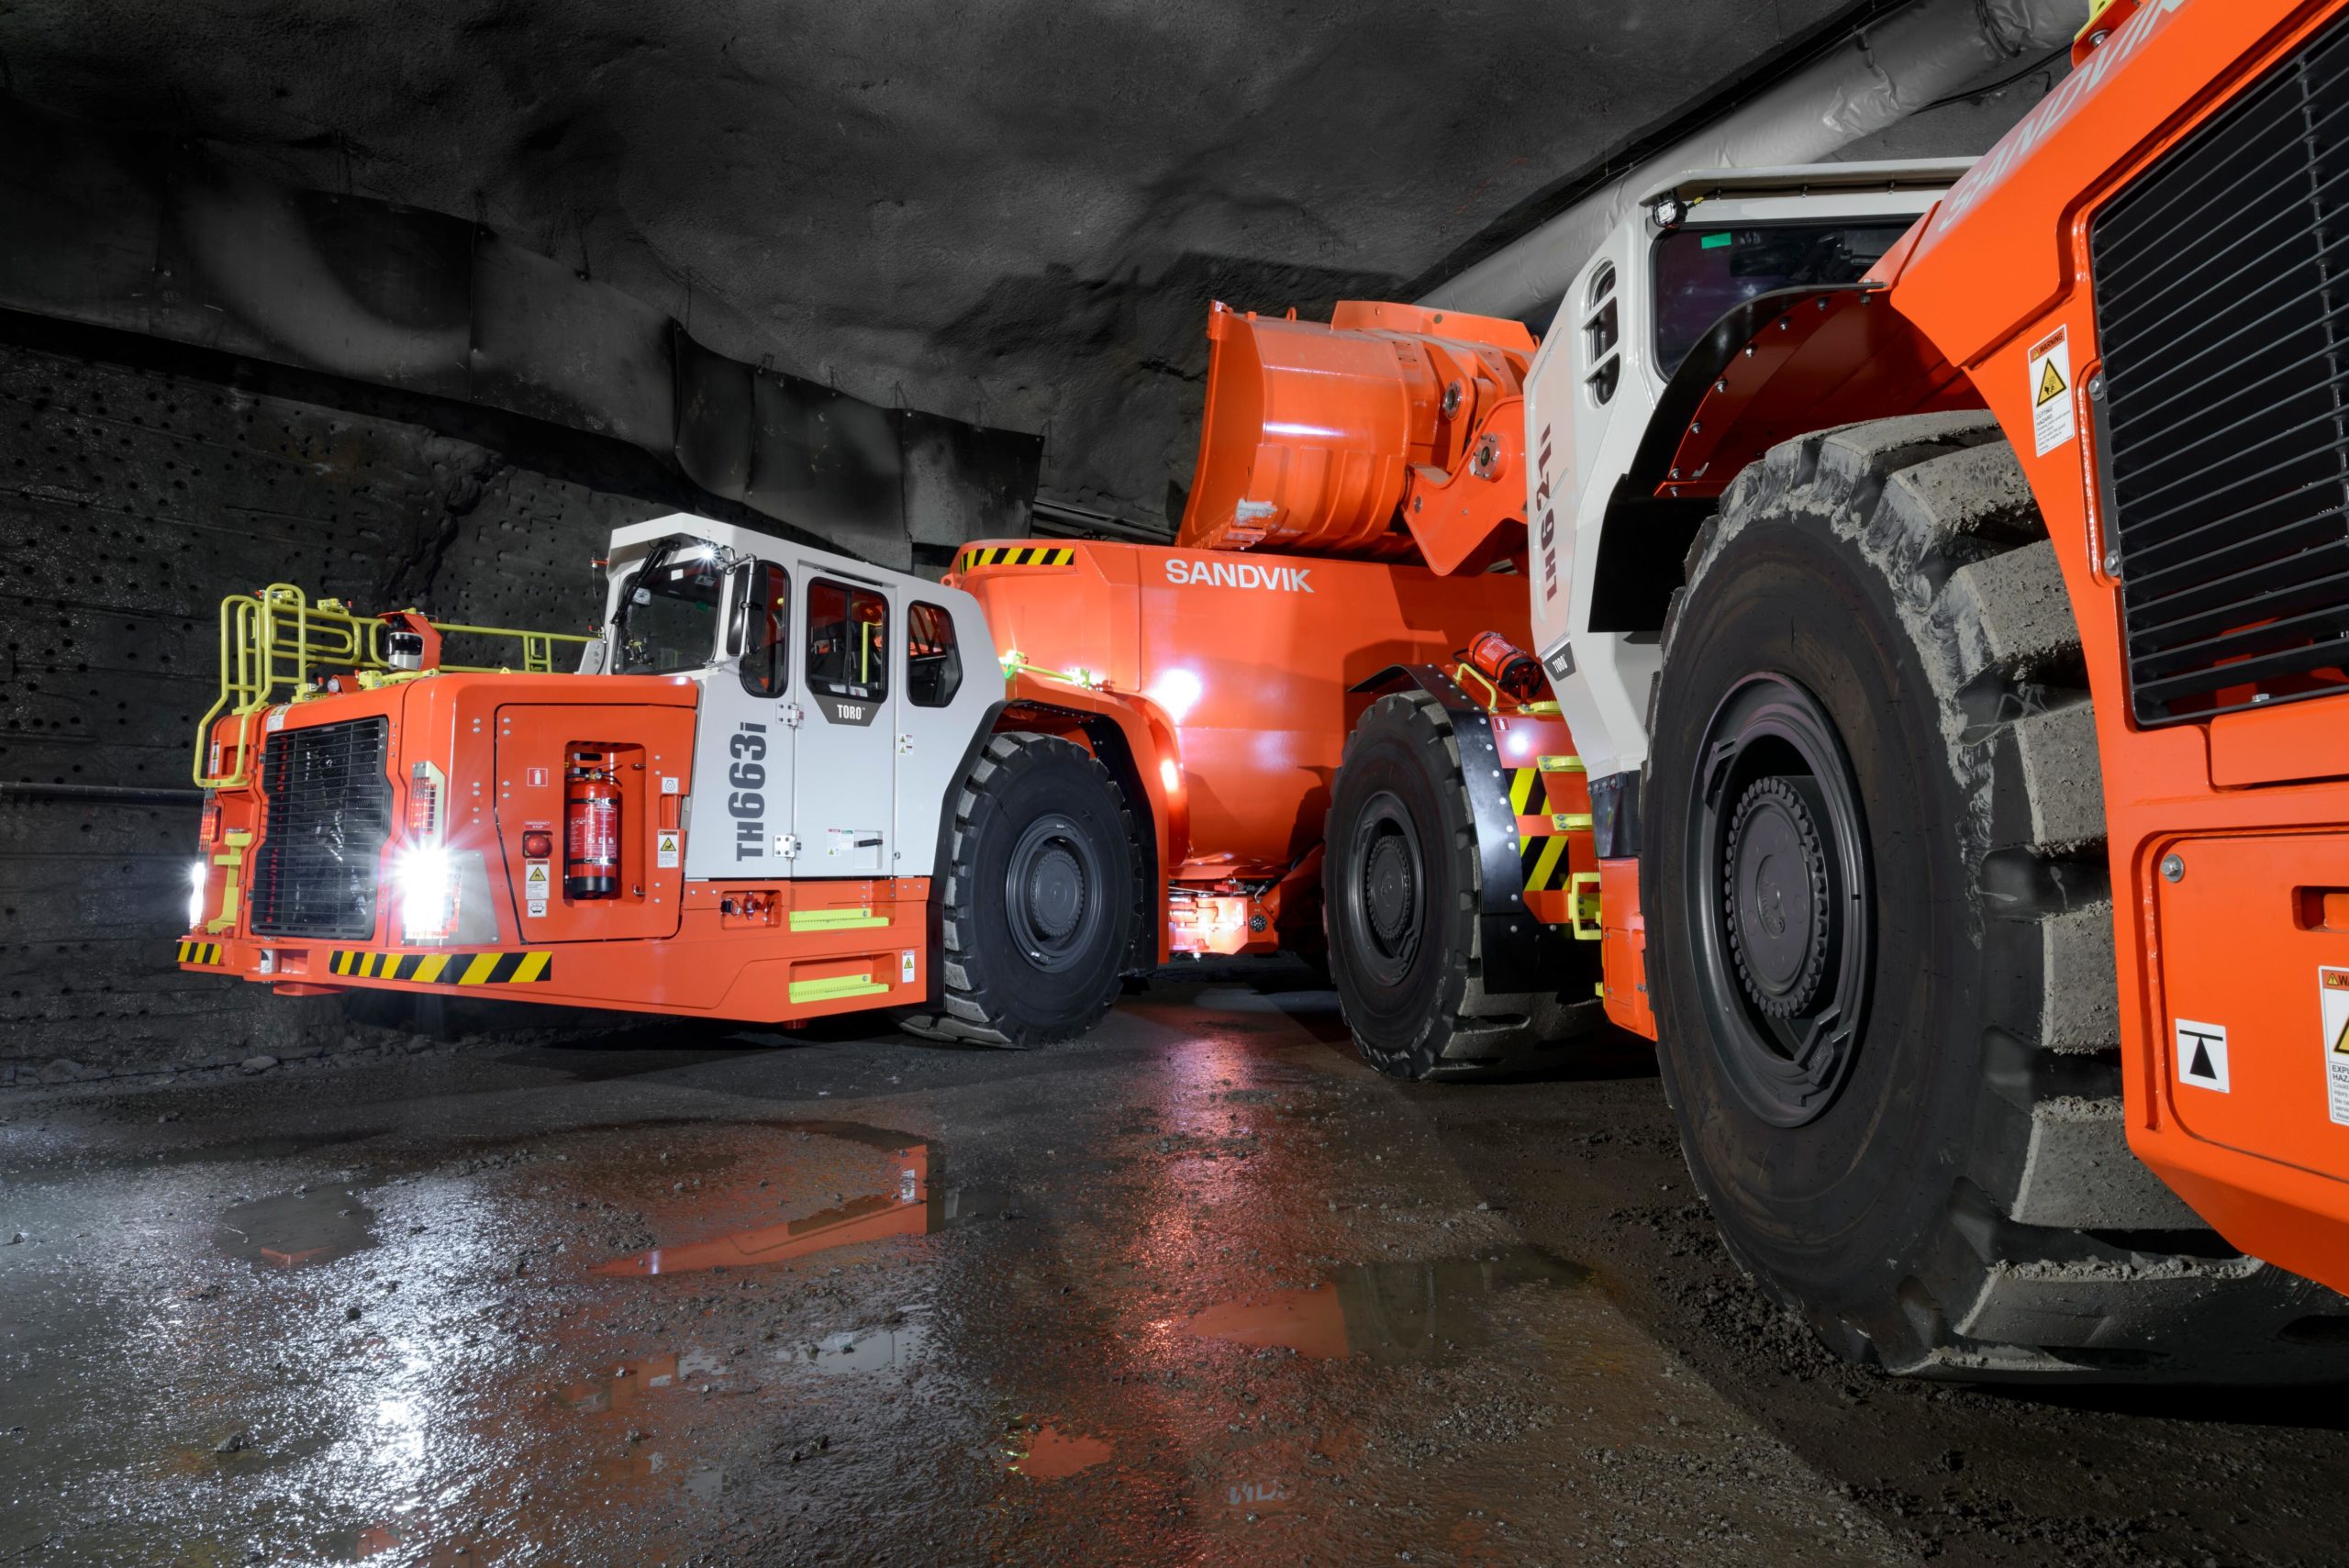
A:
(273, 642)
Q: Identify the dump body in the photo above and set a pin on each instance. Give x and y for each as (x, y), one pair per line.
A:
(1251, 657)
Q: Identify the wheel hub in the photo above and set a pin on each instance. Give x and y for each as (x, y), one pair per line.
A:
(1055, 891)
(1781, 920)
(1048, 902)
(1777, 879)
(1389, 889)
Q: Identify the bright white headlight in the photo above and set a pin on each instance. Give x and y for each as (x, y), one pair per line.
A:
(425, 885)
(196, 872)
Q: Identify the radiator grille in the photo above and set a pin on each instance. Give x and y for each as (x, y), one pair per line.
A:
(2222, 314)
(329, 812)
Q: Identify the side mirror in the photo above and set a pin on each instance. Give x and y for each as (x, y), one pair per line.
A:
(758, 670)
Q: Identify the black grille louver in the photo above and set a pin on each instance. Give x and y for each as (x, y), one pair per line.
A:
(329, 812)
(2222, 314)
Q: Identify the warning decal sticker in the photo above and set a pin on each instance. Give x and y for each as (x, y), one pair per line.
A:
(2052, 420)
(2332, 1010)
(664, 850)
(535, 883)
(2202, 1056)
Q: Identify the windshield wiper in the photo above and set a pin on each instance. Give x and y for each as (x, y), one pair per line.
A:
(653, 563)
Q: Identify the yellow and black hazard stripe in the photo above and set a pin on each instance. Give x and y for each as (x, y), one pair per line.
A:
(201, 952)
(1529, 788)
(528, 968)
(1544, 857)
(1017, 555)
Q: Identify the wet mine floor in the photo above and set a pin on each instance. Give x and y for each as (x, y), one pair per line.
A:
(1200, 1289)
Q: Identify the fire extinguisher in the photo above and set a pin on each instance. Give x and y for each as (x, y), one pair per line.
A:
(591, 837)
(1507, 665)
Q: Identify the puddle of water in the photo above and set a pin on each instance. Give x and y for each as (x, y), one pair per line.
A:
(914, 1206)
(865, 1350)
(1388, 1312)
(1052, 1454)
(289, 1230)
(627, 1386)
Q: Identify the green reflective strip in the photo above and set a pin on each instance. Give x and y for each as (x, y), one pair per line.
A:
(835, 919)
(1714, 240)
(835, 987)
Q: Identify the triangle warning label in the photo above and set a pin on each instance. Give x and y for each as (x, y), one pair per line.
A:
(2051, 382)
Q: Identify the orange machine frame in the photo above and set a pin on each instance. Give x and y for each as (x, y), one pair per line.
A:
(2255, 805)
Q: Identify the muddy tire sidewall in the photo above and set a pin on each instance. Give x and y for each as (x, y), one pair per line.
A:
(1396, 761)
(1832, 1212)
(1055, 784)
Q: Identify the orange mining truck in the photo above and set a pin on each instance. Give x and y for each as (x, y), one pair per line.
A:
(1942, 573)
(780, 784)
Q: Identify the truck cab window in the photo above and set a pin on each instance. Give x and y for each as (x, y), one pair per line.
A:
(933, 665)
(764, 635)
(848, 641)
(1702, 275)
(668, 615)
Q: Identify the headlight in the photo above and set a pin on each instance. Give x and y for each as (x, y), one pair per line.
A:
(427, 893)
(196, 873)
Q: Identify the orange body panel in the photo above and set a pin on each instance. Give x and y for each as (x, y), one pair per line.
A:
(1250, 659)
(2256, 805)
(1625, 953)
(727, 950)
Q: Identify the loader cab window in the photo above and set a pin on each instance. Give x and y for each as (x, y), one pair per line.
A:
(1702, 275)
(848, 641)
(667, 617)
(760, 635)
(933, 665)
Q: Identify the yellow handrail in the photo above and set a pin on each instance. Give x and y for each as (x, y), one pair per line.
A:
(273, 643)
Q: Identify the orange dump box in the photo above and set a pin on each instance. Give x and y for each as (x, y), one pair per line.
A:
(1252, 656)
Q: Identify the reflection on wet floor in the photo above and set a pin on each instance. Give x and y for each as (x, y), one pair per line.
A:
(500, 1378)
(1387, 1312)
(867, 1350)
(914, 1206)
(1049, 1454)
(293, 1228)
(630, 1383)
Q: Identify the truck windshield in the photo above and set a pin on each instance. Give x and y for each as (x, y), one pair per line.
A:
(1701, 274)
(668, 616)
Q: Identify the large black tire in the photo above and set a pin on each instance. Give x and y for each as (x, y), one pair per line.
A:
(1038, 898)
(1880, 936)
(1400, 884)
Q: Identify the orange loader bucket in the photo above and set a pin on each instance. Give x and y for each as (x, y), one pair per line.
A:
(1312, 433)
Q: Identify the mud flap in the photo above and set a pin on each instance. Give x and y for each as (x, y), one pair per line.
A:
(1520, 953)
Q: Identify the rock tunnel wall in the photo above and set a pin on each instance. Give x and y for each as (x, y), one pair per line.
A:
(130, 503)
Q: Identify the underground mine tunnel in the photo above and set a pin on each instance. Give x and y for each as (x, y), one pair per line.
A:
(931, 783)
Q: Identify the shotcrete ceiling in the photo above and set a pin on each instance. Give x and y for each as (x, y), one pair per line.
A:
(1009, 211)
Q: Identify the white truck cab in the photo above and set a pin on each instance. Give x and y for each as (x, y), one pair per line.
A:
(837, 699)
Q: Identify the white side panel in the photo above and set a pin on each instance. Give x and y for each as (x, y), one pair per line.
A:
(741, 783)
(1601, 679)
(932, 740)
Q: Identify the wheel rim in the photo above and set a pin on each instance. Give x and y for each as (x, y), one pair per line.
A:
(1777, 878)
(1385, 900)
(1051, 892)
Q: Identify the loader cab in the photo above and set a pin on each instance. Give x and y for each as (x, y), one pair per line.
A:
(1684, 254)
